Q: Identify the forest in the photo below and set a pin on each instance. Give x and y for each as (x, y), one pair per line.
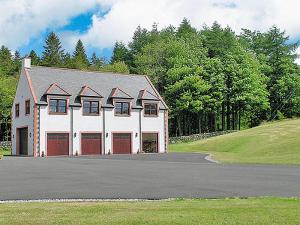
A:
(212, 79)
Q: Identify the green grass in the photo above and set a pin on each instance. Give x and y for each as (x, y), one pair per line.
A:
(204, 211)
(275, 143)
(4, 152)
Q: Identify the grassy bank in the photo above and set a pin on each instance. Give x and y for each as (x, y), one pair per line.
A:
(276, 143)
(221, 211)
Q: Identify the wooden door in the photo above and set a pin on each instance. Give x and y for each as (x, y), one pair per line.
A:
(121, 143)
(91, 144)
(57, 144)
(23, 141)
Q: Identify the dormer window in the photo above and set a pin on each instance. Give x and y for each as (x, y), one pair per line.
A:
(150, 109)
(90, 107)
(122, 108)
(58, 106)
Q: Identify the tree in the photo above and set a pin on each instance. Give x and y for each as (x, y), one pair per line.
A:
(96, 63)
(80, 60)
(117, 67)
(17, 61)
(35, 60)
(53, 52)
(277, 54)
(7, 66)
(120, 53)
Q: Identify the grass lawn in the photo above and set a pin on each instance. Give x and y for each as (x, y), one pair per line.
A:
(203, 211)
(4, 152)
(276, 143)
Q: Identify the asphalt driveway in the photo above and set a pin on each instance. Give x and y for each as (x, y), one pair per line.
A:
(158, 176)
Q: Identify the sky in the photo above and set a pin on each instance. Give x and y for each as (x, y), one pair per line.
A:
(99, 24)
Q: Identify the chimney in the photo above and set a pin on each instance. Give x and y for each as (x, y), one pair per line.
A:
(26, 63)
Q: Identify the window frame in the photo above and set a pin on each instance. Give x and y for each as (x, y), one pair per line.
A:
(90, 108)
(57, 106)
(17, 115)
(27, 107)
(150, 115)
(122, 103)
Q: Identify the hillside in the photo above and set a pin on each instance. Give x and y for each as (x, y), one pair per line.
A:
(274, 143)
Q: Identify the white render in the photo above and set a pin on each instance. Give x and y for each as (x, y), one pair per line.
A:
(40, 122)
(23, 93)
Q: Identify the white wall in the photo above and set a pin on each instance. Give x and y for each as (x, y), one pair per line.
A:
(84, 124)
(23, 93)
(62, 123)
(52, 123)
(128, 124)
(155, 124)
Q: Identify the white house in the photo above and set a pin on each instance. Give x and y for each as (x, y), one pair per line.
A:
(71, 112)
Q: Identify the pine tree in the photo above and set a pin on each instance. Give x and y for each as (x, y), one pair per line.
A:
(53, 52)
(96, 63)
(7, 66)
(120, 53)
(185, 28)
(67, 61)
(35, 60)
(17, 61)
(80, 59)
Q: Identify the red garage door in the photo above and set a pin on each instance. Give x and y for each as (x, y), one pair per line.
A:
(121, 143)
(91, 144)
(57, 144)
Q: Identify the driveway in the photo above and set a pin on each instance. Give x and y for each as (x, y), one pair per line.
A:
(158, 176)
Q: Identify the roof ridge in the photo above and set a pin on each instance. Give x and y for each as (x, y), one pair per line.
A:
(88, 71)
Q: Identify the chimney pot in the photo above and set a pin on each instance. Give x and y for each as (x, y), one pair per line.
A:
(26, 62)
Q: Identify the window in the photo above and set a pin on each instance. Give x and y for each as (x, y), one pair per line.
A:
(150, 142)
(91, 107)
(27, 107)
(58, 106)
(17, 110)
(122, 108)
(150, 109)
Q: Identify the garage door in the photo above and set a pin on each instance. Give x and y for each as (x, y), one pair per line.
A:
(91, 143)
(57, 144)
(150, 142)
(121, 143)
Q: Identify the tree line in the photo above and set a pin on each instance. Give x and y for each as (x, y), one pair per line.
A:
(212, 79)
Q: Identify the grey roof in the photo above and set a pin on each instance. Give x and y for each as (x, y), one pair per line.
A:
(72, 82)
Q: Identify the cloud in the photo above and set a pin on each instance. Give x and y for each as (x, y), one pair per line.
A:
(22, 20)
(125, 15)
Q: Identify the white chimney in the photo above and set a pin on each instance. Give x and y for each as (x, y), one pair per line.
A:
(26, 62)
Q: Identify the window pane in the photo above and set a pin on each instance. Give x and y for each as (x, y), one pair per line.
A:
(53, 104)
(95, 104)
(118, 109)
(125, 109)
(150, 109)
(86, 107)
(94, 109)
(62, 106)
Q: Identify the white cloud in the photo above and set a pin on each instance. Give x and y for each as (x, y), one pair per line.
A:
(126, 15)
(21, 20)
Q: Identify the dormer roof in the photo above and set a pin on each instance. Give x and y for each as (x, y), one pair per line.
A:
(118, 93)
(86, 91)
(147, 95)
(70, 82)
(54, 89)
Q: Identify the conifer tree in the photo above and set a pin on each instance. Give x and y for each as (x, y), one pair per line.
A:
(80, 60)
(53, 51)
(35, 60)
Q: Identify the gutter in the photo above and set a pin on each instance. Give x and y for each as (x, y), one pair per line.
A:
(104, 133)
(72, 138)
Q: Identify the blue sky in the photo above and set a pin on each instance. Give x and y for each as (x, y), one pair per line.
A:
(100, 23)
